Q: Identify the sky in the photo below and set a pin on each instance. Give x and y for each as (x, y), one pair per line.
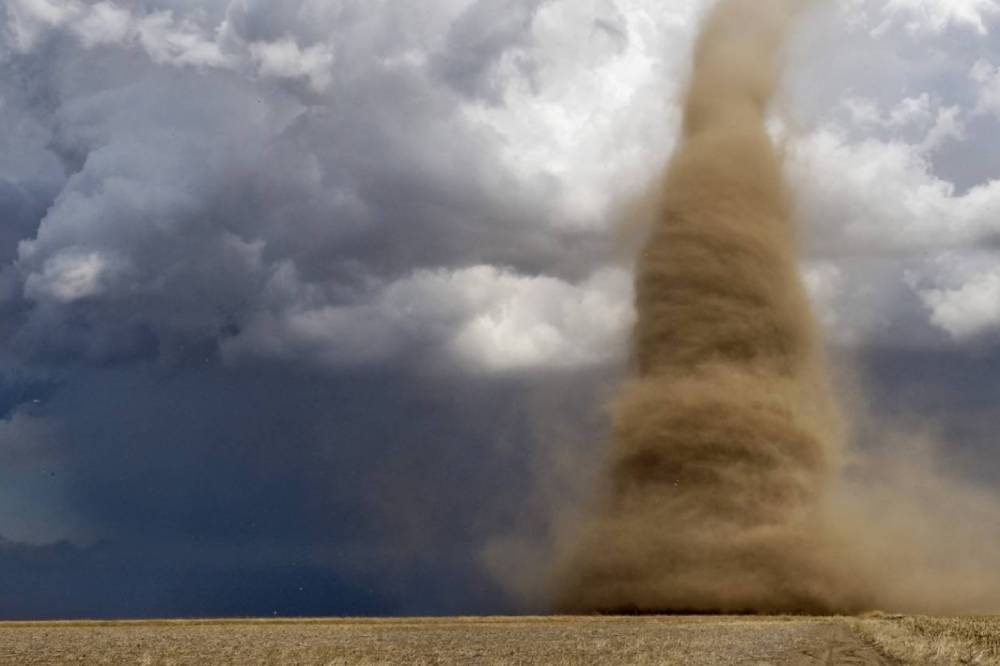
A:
(312, 307)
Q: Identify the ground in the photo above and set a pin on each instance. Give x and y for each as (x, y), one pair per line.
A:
(551, 640)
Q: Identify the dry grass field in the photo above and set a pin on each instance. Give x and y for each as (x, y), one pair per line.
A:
(929, 640)
(691, 641)
(873, 639)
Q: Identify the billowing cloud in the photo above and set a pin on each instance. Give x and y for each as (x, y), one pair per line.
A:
(926, 16)
(964, 299)
(488, 318)
(268, 218)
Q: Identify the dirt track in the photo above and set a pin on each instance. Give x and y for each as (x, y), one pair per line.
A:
(587, 640)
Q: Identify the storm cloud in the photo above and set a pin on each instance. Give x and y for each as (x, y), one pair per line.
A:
(229, 229)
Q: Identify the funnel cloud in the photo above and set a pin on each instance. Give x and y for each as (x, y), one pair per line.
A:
(727, 439)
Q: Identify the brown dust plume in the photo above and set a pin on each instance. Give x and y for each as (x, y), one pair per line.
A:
(727, 440)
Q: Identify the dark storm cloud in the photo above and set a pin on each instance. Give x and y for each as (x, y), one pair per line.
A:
(106, 580)
(946, 394)
(195, 188)
(21, 206)
(289, 287)
(478, 42)
(163, 189)
(267, 476)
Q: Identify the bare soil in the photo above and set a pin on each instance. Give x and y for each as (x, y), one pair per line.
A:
(691, 641)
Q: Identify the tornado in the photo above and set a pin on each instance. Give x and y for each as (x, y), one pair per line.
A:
(726, 437)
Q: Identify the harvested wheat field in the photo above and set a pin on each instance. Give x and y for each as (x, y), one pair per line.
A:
(931, 640)
(550, 640)
(688, 640)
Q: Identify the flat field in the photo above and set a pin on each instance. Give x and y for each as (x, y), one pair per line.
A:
(877, 639)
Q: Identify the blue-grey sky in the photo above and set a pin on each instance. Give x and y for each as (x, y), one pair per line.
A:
(312, 307)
